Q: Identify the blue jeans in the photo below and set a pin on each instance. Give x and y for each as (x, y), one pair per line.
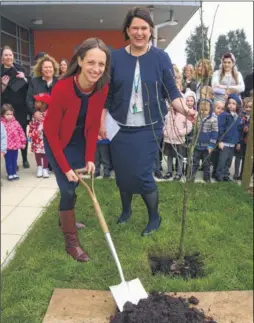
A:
(11, 160)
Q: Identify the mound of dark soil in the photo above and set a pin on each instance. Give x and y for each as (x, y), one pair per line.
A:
(193, 266)
(161, 308)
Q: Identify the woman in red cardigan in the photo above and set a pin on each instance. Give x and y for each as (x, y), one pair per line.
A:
(71, 129)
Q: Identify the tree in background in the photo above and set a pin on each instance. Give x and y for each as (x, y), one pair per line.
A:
(235, 41)
(194, 45)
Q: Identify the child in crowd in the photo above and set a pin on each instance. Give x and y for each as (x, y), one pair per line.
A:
(207, 93)
(231, 91)
(16, 140)
(218, 109)
(190, 99)
(208, 135)
(36, 134)
(230, 129)
(176, 128)
(103, 157)
(240, 155)
(3, 142)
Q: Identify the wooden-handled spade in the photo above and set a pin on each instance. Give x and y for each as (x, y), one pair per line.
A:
(127, 291)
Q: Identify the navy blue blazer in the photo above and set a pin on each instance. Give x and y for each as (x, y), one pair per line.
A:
(158, 84)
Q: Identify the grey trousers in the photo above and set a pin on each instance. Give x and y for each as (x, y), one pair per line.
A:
(224, 162)
(103, 157)
(177, 151)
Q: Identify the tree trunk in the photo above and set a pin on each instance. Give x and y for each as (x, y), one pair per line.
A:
(248, 163)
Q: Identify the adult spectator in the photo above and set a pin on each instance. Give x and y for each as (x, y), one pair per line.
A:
(203, 74)
(189, 81)
(14, 85)
(45, 78)
(63, 66)
(227, 77)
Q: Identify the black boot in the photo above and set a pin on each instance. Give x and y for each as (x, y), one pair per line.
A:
(151, 201)
(126, 199)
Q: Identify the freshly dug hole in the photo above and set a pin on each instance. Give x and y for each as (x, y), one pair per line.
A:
(193, 266)
(161, 308)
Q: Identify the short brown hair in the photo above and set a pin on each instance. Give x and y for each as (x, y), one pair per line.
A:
(37, 71)
(137, 12)
(6, 107)
(90, 43)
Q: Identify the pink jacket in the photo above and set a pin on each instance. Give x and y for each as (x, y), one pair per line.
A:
(16, 138)
(176, 128)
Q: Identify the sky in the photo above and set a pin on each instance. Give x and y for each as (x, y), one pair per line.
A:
(240, 16)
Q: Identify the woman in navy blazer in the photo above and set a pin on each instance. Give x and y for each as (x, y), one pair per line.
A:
(142, 78)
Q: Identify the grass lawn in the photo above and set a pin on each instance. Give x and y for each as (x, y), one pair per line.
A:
(219, 225)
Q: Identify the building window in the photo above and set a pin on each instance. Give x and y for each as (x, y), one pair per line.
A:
(18, 39)
(8, 40)
(8, 26)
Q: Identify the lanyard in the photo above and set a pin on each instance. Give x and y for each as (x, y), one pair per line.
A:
(136, 85)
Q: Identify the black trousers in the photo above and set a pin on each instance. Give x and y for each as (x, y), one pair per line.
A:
(205, 157)
(24, 151)
(215, 159)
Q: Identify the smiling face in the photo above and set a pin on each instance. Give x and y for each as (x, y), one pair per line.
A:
(187, 72)
(63, 67)
(248, 108)
(219, 107)
(139, 33)
(232, 105)
(47, 69)
(227, 64)
(92, 66)
(7, 57)
(190, 102)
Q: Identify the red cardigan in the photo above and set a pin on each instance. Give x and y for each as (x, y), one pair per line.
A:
(61, 119)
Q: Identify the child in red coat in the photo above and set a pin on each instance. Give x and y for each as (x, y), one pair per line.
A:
(16, 140)
(36, 134)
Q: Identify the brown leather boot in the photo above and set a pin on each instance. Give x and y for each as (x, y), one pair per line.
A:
(70, 232)
(79, 225)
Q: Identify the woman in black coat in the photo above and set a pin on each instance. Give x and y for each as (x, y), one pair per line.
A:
(45, 77)
(14, 85)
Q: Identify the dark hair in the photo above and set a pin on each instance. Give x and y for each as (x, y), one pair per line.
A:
(90, 43)
(238, 106)
(39, 55)
(6, 107)
(62, 60)
(6, 47)
(137, 12)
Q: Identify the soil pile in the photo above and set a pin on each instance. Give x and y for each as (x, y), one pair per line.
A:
(161, 308)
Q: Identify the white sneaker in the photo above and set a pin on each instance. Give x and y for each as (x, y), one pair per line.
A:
(45, 173)
(39, 171)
